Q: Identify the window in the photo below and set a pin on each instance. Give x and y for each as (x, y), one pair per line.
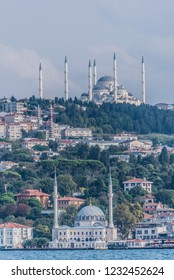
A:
(145, 231)
(153, 231)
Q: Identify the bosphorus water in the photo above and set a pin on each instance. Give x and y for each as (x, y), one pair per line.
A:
(134, 254)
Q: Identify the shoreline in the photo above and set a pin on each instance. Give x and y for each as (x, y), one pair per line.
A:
(83, 249)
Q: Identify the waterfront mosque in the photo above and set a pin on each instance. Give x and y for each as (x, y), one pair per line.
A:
(91, 229)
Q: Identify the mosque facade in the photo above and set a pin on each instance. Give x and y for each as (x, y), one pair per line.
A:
(91, 230)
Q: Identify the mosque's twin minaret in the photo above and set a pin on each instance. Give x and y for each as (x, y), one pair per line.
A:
(95, 73)
(40, 82)
(143, 81)
(66, 79)
(90, 81)
(115, 78)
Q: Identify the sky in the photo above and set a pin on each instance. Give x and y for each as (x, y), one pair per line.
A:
(46, 30)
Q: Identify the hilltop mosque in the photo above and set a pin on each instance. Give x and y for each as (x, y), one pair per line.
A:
(107, 89)
(91, 229)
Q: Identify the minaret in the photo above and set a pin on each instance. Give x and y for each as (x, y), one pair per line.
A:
(66, 79)
(115, 78)
(55, 202)
(40, 82)
(110, 195)
(51, 122)
(90, 81)
(143, 81)
(39, 119)
(95, 73)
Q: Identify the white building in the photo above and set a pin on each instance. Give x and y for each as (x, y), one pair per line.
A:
(77, 133)
(137, 182)
(148, 230)
(13, 235)
(91, 229)
(125, 136)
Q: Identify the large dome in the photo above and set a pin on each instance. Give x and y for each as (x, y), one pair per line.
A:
(90, 210)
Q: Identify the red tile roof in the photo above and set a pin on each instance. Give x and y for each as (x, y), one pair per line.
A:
(13, 225)
(137, 180)
(31, 192)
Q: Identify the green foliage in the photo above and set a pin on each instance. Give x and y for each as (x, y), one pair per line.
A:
(41, 242)
(126, 216)
(42, 231)
(34, 202)
(137, 192)
(67, 217)
(39, 135)
(6, 199)
(66, 185)
(112, 118)
(41, 148)
(166, 197)
(164, 157)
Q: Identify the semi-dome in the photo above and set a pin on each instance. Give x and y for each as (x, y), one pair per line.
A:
(105, 79)
(99, 87)
(90, 210)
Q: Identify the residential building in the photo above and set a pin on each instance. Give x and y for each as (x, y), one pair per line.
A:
(11, 107)
(5, 145)
(63, 143)
(14, 118)
(152, 207)
(149, 230)
(64, 202)
(84, 133)
(3, 131)
(28, 126)
(14, 131)
(38, 194)
(29, 143)
(125, 136)
(137, 182)
(12, 235)
(136, 145)
(5, 165)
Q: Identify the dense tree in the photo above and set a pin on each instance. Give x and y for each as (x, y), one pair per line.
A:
(164, 157)
(66, 185)
(6, 199)
(166, 197)
(126, 216)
